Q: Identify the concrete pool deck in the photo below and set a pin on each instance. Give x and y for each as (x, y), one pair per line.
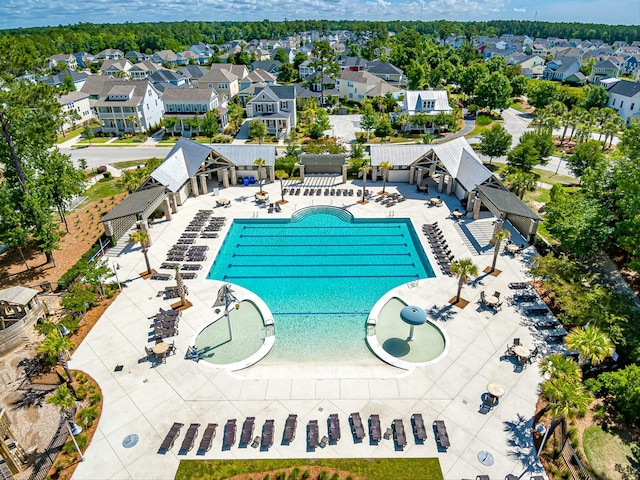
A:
(146, 401)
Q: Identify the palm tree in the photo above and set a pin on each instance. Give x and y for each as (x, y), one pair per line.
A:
(384, 168)
(142, 237)
(498, 238)
(260, 162)
(463, 269)
(282, 175)
(402, 120)
(591, 343)
(567, 398)
(56, 347)
(558, 366)
(363, 171)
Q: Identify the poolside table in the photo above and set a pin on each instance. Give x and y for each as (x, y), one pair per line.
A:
(457, 214)
(491, 300)
(435, 201)
(512, 248)
(521, 351)
(160, 348)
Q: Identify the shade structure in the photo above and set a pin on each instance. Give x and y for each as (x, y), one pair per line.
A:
(413, 316)
(495, 389)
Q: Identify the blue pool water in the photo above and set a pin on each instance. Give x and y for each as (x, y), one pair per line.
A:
(320, 273)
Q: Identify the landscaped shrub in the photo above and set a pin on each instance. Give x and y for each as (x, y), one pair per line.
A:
(281, 476)
(69, 448)
(306, 475)
(322, 475)
(88, 415)
(81, 392)
(294, 474)
(483, 120)
(335, 476)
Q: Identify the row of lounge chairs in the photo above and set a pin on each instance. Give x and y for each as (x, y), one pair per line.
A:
(265, 440)
(328, 192)
(510, 476)
(172, 292)
(439, 245)
(390, 200)
(274, 207)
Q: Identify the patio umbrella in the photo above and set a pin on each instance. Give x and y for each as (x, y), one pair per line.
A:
(413, 316)
(495, 389)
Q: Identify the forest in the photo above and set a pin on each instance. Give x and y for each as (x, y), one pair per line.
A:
(150, 37)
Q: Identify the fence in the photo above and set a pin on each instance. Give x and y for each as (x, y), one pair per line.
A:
(569, 460)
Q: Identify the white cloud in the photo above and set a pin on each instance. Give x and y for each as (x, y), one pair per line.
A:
(520, 10)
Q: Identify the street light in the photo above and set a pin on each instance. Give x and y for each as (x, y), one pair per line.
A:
(115, 266)
(74, 429)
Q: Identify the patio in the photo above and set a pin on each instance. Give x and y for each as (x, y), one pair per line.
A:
(147, 401)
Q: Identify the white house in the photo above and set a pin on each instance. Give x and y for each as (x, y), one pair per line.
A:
(187, 103)
(624, 98)
(123, 106)
(77, 102)
(355, 86)
(275, 106)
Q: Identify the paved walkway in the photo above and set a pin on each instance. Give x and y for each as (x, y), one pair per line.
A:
(144, 400)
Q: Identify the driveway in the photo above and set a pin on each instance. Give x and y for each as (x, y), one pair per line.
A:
(344, 127)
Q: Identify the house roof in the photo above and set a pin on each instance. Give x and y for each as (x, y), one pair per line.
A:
(58, 78)
(167, 55)
(134, 204)
(120, 64)
(564, 63)
(218, 76)
(200, 95)
(146, 66)
(381, 68)
(462, 163)
(507, 202)
(360, 77)
(72, 97)
(382, 88)
(182, 162)
(17, 295)
(399, 155)
(165, 76)
(268, 65)
(625, 88)
(246, 154)
(259, 75)
(413, 98)
(192, 71)
(605, 64)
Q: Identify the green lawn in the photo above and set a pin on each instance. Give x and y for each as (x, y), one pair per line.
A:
(104, 188)
(129, 164)
(94, 140)
(608, 453)
(374, 469)
(69, 135)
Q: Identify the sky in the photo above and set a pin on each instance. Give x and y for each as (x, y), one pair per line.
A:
(31, 13)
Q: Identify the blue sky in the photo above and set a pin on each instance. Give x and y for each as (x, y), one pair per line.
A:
(29, 13)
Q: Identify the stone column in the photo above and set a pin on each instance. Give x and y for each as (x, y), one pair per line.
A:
(234, 176)
(533, 228)
(470, 200)
(166, 208)
(272, 173)
(441, 182)
(476, 208)
(194, 186)
(108, 229)
(301, 173)
(420, 176)
(412, 174)
(450, 185)
(374, 173)
(225, 178)
(173, 203)
(203, 184)
(345, 171)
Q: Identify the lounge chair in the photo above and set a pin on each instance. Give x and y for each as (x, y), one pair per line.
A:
(419, 431)
(536, 477)
(537, 311)
(398, 433)
(518, 285)
(267, 434)
(334, 427)
(488, 402)
(511, 476)
(229, 433)
(356, 425)
(161, 276)
(312, 434)
(290, 428)
(247, 430)
(442, 437)
(482, 477)
(190, 437)
(174, 431)
(207, 437)
(375, 432)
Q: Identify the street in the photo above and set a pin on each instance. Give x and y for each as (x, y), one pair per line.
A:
(98, 156)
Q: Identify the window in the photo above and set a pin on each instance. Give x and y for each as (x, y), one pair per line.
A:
(632, 106)
(349, 84)
(614, 103)
(223, 86)
(621, 103)
(351, 95)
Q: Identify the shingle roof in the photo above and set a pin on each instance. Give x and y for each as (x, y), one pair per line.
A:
(384, 68)
(413, 99)
(135, 203)
(625, 88)
(182, 162)
(188, 95)
(507, 202)
(58, 78)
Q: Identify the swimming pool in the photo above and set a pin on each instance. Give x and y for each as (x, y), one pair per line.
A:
(320, 273)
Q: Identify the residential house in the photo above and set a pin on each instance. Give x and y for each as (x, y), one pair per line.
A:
(624, 98)
(275, 106)
(84, 59)
(271, 66)
(116, 68)
(387, 72)
(187, 103)
(306, 69)
(142, 70)
(539, 49)
(77, 102)
(202, 49)
(63, 60)
(58, 79)
(603, 69)
(261, 55)
(110, 54)
(227, 56)
(532, 65)
(192, 71)
(136, 57)
(165, 57)
(353, 64)
(429, 102)
(339, 47)
(355, 86)
(562, 69)
(124, 106)
(223, 81)
(187, 56)
(254, 81)
(630, 64)
(163, 79)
